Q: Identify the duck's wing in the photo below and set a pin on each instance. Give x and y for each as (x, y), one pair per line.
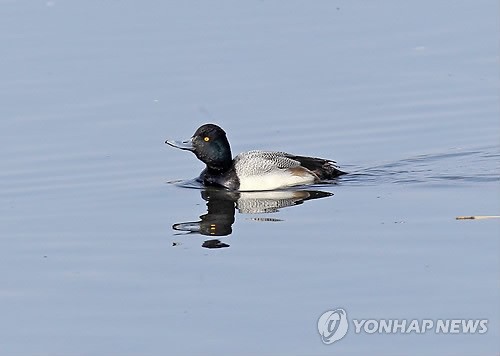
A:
(260, 162)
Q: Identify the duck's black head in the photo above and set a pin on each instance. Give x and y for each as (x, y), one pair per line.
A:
(209, 143)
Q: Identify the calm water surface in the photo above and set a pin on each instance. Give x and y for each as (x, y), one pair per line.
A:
(102, 254)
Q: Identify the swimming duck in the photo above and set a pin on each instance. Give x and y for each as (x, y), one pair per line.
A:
(253, 170)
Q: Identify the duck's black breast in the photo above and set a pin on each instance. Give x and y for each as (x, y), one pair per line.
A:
(227, 179)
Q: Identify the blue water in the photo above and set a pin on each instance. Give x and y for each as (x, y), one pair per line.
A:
(404, 96)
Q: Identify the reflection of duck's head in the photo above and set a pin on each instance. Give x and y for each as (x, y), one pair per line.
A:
(220, 212)
(253, 170)
(219, 218)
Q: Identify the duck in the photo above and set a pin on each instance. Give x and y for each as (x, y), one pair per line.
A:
(253, 170)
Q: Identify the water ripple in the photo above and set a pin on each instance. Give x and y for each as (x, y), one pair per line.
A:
(457, 166)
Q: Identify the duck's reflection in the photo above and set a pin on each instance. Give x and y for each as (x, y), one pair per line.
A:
(222, 204)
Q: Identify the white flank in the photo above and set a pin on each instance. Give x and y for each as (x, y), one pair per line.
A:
(273, 180)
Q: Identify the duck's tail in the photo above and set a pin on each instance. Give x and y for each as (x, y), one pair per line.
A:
(325, 169)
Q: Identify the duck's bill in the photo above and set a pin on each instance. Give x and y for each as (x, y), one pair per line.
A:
(183, 145)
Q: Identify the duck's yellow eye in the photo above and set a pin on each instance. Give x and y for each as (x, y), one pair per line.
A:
(206, 139)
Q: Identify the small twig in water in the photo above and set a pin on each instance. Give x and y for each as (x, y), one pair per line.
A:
(478, 217)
